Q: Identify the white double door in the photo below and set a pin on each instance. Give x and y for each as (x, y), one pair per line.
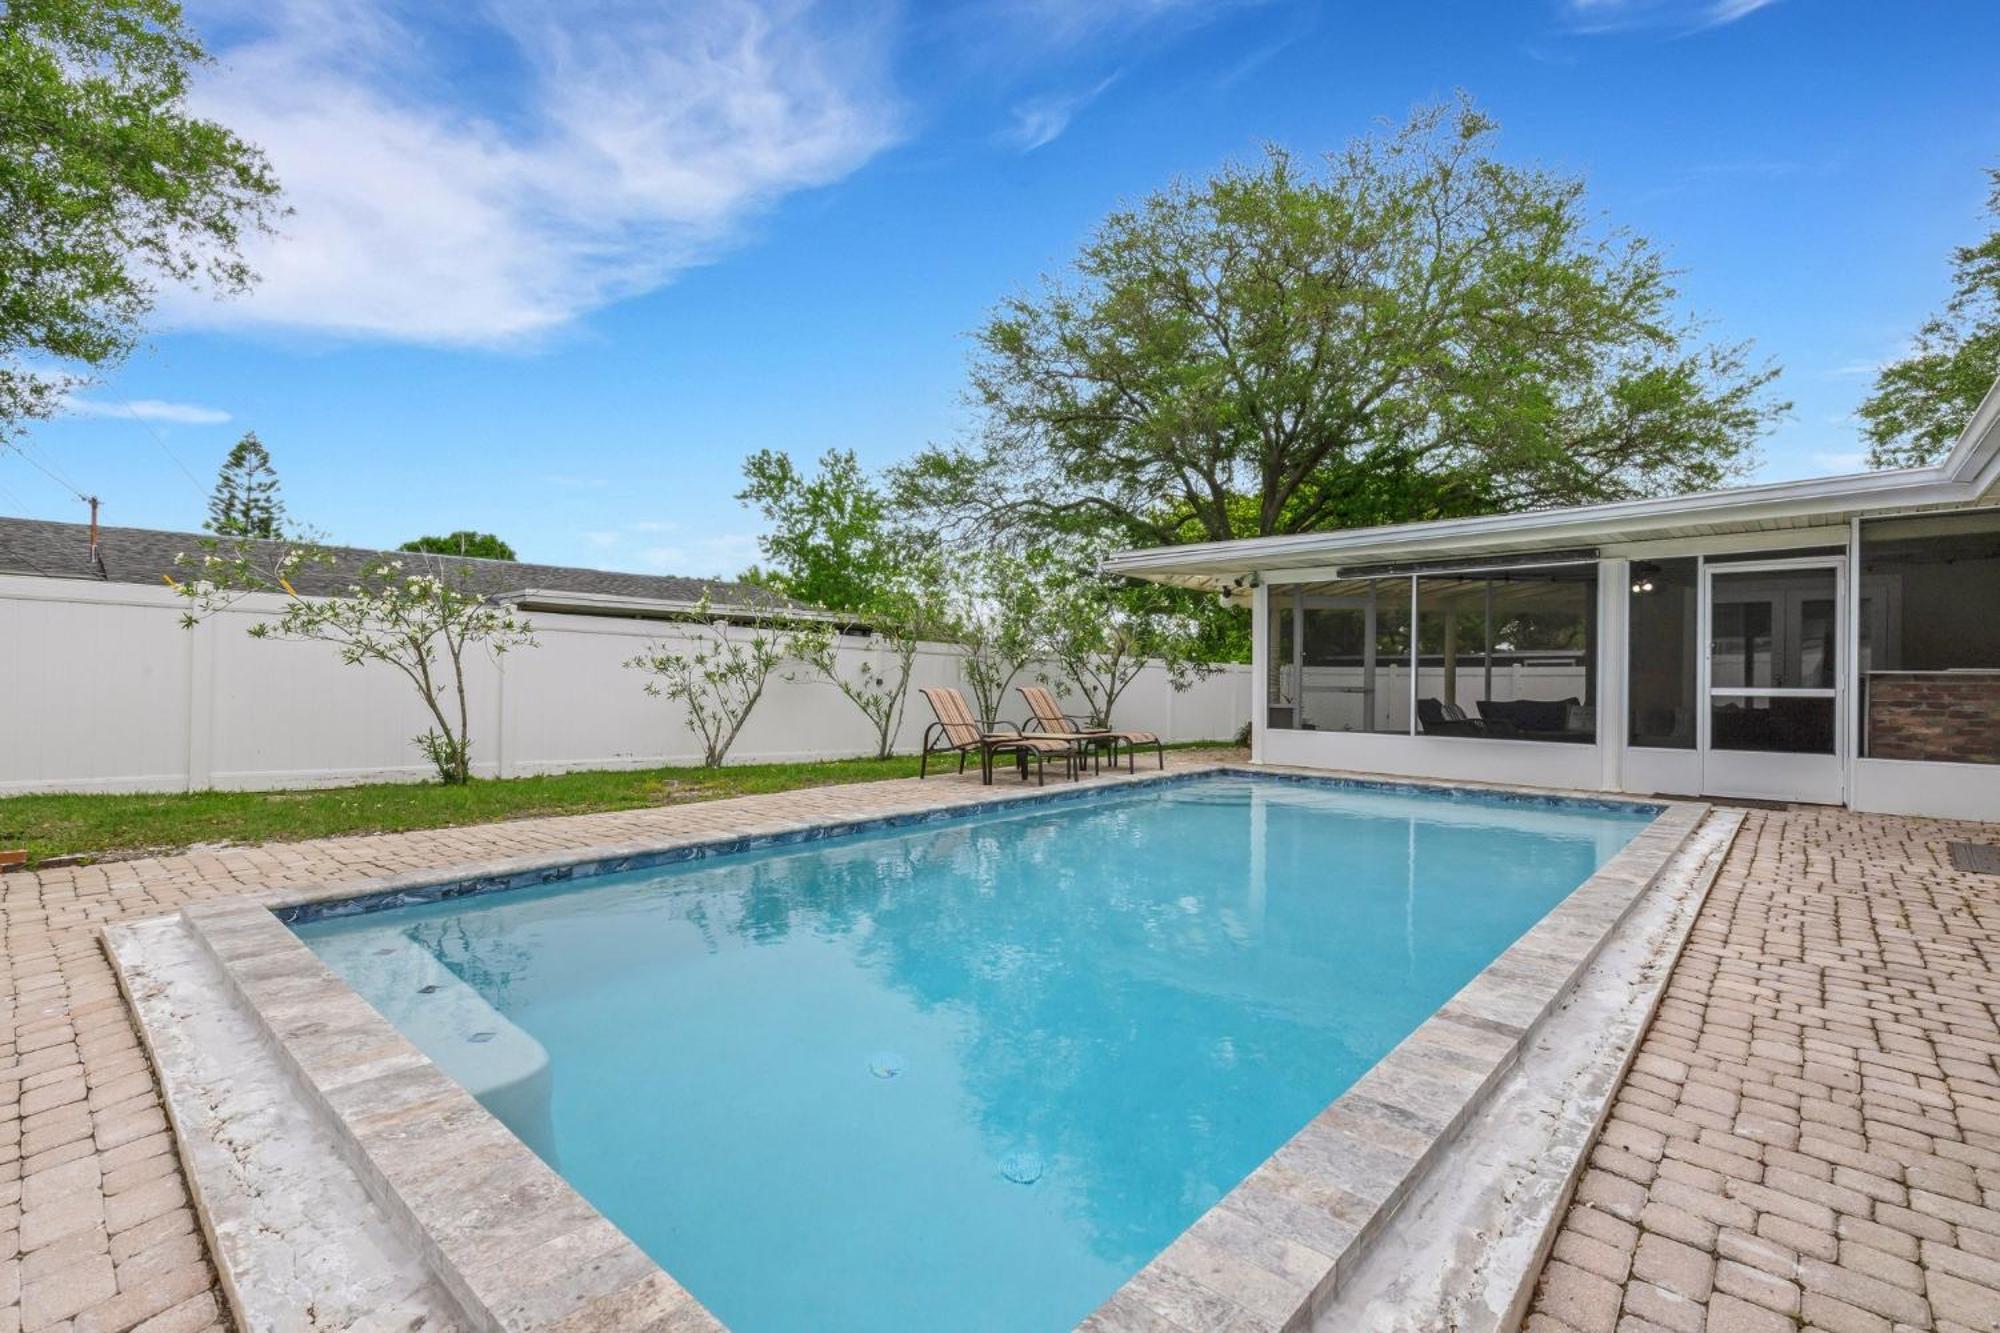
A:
(1772, 679)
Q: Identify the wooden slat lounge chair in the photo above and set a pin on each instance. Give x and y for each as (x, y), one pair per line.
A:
(957, 731)
(1050, 717)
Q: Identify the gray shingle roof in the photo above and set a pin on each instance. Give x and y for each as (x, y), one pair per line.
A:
(144, 555)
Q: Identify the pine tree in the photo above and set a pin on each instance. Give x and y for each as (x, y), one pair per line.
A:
(245, 502)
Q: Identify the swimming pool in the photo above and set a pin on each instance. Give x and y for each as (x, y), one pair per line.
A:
(988, 1066)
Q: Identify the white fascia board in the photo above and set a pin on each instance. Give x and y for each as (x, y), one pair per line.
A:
(1975, 459)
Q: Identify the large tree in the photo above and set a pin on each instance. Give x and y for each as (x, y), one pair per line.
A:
(245, 501)
(830, 538)
(1922, 401)
(1416, 329)
(107, 186)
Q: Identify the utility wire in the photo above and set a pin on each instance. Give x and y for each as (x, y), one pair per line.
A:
(22, 555)
(48, 470)
(161, 440)
(14, 500)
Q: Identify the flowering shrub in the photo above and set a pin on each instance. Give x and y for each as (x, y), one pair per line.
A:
(719, 675)
(898, 621)
(421, 621)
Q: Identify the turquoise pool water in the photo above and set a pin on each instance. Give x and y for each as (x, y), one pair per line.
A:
(969, 1074)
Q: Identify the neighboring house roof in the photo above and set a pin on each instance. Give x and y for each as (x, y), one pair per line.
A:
(146, 555)
(1968, 475)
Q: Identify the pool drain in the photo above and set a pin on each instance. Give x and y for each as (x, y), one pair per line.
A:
(1023, 1167)
(885, 1064)
(482, 1037)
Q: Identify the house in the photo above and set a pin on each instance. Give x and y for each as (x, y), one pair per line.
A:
(1835, 640)
(36, 548)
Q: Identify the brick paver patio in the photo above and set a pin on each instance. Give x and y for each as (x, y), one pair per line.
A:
(1811, 1134)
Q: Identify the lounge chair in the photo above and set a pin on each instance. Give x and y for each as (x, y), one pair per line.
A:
(957, 731)
(1050, 717)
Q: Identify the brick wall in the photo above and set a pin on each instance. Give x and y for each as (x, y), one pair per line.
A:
(1950, 718)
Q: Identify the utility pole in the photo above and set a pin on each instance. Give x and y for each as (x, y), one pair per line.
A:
(96, 557)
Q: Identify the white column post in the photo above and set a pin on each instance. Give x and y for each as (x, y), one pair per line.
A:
(1848, 699)
(1260, 668)
(1416, 660)
(1614, 676)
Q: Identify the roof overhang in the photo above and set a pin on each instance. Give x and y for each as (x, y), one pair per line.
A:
(559, 601)
(1968, 475)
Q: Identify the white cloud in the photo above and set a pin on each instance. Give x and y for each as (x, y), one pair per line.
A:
(1728, 11)
(601, 540)
(147, 409)
(1067, 23)
(634, 139)
(656, 525)
(1592, 16)
(1837, 463)
(1041, 120)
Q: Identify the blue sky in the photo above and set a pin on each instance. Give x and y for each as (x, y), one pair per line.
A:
(553, 269)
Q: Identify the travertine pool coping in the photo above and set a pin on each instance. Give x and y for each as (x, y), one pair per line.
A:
(518, 1248)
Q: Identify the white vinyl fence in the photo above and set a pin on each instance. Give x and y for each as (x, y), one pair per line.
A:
(102, 690)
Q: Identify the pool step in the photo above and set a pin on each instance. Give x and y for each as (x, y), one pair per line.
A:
(295, 1236)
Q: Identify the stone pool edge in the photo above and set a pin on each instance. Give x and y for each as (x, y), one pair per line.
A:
(518, 1248)
(1275, 1250)
(513, 1243)
(1469, 1244)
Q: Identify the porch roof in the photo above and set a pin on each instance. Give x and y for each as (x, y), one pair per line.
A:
(1968, 475)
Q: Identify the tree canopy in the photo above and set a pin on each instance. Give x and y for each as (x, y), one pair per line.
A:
(1415, 329)
(107, 185)
(245, 502)
(831, 539)
(478, 545)
(1922, 401)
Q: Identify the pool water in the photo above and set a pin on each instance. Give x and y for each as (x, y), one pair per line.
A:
(970, 1074)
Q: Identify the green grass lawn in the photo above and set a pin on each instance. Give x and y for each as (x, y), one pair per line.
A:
(110, 825)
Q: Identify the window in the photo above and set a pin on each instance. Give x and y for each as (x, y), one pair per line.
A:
(1930, 639)
(1665, 600)
(1340, 656)
(1508, 655)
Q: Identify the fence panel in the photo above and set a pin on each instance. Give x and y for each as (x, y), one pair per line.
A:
(101, 689)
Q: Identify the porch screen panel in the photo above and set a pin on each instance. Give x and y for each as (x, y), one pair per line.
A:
(1663, 671)
(1773, 660)
(1281, 684)
(1929, 632)
(1508, 655)
(1339, 656)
